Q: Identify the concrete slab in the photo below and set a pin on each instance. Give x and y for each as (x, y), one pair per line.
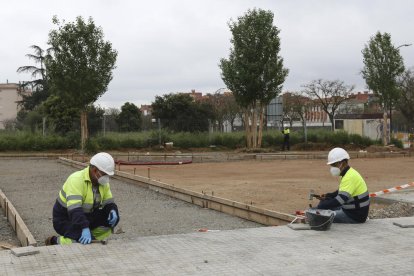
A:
(24, 251)
(406, 223)
(376, 247)
(299, 226)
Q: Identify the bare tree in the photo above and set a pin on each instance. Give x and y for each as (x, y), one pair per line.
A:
(289, 110)
(330, 95)
(296, 106)
(231, 109)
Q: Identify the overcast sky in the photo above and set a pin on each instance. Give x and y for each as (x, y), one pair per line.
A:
(169, 46)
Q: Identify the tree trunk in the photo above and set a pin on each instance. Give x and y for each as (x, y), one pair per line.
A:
(331, 118)
(232, 125)
(260, 136)
(84, 129)
(247, 128)
(305, 129)
(384, 129)
(254, 127)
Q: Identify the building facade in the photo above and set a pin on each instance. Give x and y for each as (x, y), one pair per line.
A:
(9, 98)
(366, 125)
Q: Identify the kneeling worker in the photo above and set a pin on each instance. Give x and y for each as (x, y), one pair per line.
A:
(85, 209)
(351, 201)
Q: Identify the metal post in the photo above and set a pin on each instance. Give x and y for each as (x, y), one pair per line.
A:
(44, 126)
(104, 125)
(159, 131)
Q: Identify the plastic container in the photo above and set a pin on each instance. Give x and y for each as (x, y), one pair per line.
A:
(318, 219)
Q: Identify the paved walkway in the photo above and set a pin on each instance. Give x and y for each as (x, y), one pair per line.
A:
(377, 247)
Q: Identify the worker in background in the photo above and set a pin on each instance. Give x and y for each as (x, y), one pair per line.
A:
(85, 209)
(351, 201)
(286, 142)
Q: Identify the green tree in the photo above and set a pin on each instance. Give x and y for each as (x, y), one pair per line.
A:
(110, 119)
(405, 102)
(34, 92)
(95, 119)
(81, 65)
(329, 94)
(179, 112)
(61, 118)
(254, 71)
(38, 85)
(130, 118)
(383, 64)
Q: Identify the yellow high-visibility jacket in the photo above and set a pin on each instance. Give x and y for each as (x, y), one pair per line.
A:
(352, 196)
(80, 201)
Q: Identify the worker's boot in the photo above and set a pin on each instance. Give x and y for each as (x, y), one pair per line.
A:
(52, 240)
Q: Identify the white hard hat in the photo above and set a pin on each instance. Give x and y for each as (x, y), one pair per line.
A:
(104, 162)
(336, 155)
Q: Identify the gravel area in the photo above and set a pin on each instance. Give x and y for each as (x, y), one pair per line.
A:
(32, 186)
(395, 210)
(7, 236)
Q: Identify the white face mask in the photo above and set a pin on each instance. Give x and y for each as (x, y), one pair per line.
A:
(103, 180)
(335, 171)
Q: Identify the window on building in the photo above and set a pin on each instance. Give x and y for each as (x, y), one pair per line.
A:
(339, 124)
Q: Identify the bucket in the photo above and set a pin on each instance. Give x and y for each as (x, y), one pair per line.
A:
(319, 219)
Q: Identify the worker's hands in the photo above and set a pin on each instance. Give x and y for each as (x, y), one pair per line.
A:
(320, 197)
(112, 218)
(86, 236)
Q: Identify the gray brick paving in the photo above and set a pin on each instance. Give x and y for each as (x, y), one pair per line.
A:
(376, 247)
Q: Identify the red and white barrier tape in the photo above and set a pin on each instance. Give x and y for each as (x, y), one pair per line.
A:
(386, 191)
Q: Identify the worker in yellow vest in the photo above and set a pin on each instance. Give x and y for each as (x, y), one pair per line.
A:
(85, 209)
(351, 201)
(286, 138)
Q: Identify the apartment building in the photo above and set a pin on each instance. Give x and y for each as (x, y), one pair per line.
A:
(9, 98)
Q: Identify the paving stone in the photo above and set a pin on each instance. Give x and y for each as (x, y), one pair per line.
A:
(24, 251)
(374, 248)
(299, 226)
(405, 222)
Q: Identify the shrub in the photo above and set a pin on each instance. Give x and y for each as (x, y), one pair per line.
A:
(398, 143)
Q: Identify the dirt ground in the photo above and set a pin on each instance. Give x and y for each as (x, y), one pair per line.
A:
(280, 185)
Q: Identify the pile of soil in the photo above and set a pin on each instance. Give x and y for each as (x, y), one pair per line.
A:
(378, 148)
(395, 210)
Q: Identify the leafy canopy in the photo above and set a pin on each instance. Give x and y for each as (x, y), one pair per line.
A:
(179, 112)
(130, 117)
(81, 65)
(382, 66)
(254, 71)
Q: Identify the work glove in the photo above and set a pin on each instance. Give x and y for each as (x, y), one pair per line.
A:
(320, 197)
(86, 236)
(112, 218)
